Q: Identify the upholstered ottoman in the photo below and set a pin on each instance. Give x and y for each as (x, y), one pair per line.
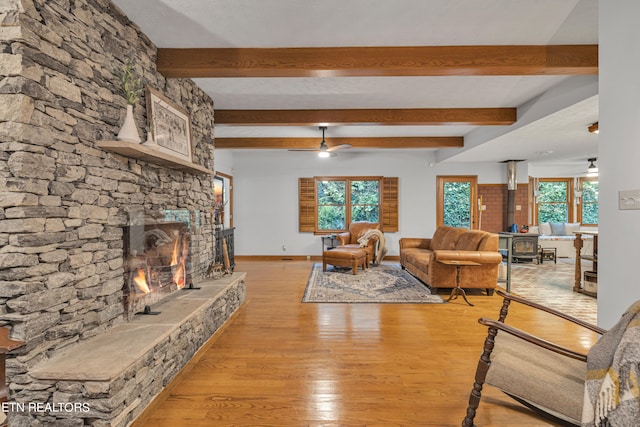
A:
(343, 257)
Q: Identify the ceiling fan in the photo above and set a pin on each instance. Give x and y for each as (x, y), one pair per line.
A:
(324, 150)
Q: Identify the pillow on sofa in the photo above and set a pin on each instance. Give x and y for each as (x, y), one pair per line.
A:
(571, 227)
(545, 229)
(557, 229)
(534, 229)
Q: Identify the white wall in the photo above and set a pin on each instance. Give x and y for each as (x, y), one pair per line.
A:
(558, 170)
(618, 156)
(223, 161)
(266, 194)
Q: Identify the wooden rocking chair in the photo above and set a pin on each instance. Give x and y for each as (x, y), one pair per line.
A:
(6, 345)
(545, 377)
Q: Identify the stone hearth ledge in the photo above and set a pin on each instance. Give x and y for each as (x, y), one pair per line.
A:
(118, 353)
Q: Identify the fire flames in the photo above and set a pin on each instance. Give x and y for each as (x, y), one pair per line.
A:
(177, 264)
(140, 280)
(175, 254)
(179, 274)
(178, 267)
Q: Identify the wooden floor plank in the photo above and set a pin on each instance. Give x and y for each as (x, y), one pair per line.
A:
(281, 362)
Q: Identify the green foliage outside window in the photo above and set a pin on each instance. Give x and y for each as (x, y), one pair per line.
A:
(457, 204)
(553, 201)
(334, 203)
(331, 205)
(365, 199)
(589, 202)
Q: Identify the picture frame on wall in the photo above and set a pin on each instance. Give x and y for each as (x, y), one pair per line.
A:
(218, 200)
(218, 191)
(169, 124)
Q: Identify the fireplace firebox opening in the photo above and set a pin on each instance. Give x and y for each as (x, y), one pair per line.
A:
(157, 262)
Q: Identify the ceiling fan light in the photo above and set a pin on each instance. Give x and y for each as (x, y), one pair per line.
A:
(592, 170)
(324, 154)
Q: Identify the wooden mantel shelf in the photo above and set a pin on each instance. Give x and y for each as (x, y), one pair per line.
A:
(151, 155)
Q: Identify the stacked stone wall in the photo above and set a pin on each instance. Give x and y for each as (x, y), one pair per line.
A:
(64, 201)
(117, 402)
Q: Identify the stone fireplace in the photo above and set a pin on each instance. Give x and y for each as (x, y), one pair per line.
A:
(71, 247)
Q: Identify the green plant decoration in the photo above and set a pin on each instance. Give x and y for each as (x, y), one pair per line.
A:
(130, 83)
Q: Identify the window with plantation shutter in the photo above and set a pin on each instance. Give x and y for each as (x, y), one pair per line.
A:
(329, 204)
(307, 205)
(390, 204)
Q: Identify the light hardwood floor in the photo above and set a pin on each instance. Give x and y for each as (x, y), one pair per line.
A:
(280, 362)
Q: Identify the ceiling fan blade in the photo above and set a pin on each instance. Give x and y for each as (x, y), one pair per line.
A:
(323, 146)
(339, 147)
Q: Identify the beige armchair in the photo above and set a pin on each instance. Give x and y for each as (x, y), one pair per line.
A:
(559, 383)
(356, 230)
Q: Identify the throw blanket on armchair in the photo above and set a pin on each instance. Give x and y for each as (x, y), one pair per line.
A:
(382, 243)
(612, 393)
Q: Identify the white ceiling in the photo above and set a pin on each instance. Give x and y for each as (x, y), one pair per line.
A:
(553, 111)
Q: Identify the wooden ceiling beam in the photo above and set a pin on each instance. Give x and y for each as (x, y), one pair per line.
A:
(368, 142)
(402, 116)
(497, 60)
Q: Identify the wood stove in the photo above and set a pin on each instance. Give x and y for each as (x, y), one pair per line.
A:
(524, 246)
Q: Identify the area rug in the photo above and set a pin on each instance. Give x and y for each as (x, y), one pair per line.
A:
(386, 283)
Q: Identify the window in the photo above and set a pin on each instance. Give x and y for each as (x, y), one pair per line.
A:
(455, 204)
(588, 207)
(365, 200)
(554, 196)
(342, 201)
(330, 204)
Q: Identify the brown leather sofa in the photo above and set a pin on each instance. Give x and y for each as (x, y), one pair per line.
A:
(420, 257)
(350, 238)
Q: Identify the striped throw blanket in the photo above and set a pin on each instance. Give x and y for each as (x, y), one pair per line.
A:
(612, 393)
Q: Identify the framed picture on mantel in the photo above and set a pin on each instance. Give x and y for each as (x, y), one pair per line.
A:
(170, 125)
